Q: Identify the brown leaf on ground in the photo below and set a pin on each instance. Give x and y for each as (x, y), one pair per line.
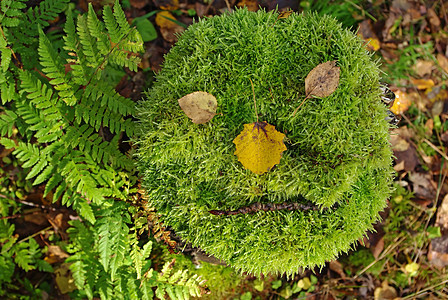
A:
(55, 254)
(433, 19)
(64, 279)
(139, 4)
(252, 5)
(259, 147)
(167, 4)
(377, 248)
(200, 107)
(385, 292)
(365, 31)
(423, 185)
(168, 28)
(323, 79)
(443, 62)
(423, 67)
(406, 158)
(337, 267)
(438, 249)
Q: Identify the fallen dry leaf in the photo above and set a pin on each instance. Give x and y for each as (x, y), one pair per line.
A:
(365, 31)
(64, 279)
(167, 4)
(252, 5)
(200, 107)
(438, 249)
(168, 28)
(402, 102)
(55, 254)
(385, 292)
(259, 147)
(337, 267)
(433, 19)
(423, 67)
(443, 62)
(423, 185)
(138, 3)
(285, 14)
(323, 80)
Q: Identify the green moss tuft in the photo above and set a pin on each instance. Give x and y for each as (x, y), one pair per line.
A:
(338, 153)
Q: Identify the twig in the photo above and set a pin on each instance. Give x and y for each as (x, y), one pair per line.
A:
(435, 148)
(413, 296)
(255, 103)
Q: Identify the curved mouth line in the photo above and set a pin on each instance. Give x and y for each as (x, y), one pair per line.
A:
(255, 207)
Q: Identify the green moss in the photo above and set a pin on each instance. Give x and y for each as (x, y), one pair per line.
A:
(338, 149)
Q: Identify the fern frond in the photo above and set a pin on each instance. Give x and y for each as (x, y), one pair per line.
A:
(9, 11)
(7, 120)
(27, 153)
(112, 26)
(107, 95)
(97, 30)
(7, 87)
(78, 170)
(120, 17)
(53, 66)
(45, 128)
(6, 54)
(101, 151)
(80, 72)
(46, 11)
(113, 238)
(88, 42)
(139, 255)
(83, 208)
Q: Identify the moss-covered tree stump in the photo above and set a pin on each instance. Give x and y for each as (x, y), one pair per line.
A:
(337, 165)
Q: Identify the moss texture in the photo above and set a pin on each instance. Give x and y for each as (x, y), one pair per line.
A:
(338, 154)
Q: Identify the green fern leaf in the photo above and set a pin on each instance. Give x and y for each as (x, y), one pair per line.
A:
(46, 11)
(7, 87)
(44, 175)
(146, 290)
(97, 30)
(53, 66)
(6, 54)
(84, 209)
(53, 182)
(9, 10)
(7, 120)
(7, 143)
(41, 164)
(88, 42)
(112, 26)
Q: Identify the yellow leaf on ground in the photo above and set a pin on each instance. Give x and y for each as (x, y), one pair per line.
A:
(401, 103)
(373, 44)
(168, 28)
(259, 147)
(422, 84)
(200, 107)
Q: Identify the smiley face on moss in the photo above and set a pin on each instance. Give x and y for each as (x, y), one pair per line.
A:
(338, 159)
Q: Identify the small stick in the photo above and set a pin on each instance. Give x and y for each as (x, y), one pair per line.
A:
(255, 103)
